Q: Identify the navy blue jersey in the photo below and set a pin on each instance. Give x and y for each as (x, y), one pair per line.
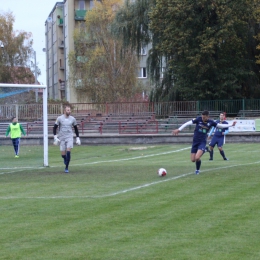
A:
(219, 131)
(202, 128)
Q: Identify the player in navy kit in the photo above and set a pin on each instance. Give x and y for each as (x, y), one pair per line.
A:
(203, 125)
(218, 137)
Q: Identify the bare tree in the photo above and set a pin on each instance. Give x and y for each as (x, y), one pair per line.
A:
(15, 52)
(100, 70)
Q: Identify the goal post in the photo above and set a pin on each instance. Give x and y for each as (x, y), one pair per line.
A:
(45, 114)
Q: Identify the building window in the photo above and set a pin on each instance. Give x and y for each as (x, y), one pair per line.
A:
(142, 73)
(82, 5)
(162, 72)
(91, 4)
(143, 51)
(62, 94)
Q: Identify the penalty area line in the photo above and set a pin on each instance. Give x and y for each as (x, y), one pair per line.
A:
(127, 190)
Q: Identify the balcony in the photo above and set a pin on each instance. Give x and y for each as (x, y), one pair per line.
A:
(61, 44)
(61, 67)
(59, 20)
(80, 15)
(62, 84)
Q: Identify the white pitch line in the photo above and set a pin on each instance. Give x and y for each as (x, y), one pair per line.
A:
(127, 190)
(24, 168)
(133, 158)
(15, 170)
(91, 163)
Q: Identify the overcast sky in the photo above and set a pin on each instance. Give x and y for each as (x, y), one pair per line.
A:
(30, 16)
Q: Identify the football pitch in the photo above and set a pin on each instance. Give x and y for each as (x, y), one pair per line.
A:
(112, 205)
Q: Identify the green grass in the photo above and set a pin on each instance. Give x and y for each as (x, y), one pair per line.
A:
(112, 205)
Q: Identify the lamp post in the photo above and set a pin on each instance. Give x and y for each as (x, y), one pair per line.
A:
(1, 55)
(35, 77)
(1, 46)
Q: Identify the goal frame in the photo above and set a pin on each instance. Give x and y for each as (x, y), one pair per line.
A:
(45, 114)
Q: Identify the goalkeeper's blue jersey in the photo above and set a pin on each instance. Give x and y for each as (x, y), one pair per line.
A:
(202, 128)
(219, 131)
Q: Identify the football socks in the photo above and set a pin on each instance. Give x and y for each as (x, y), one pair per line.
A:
(198, 163)
(222, 154)
(68, 159)
(211, 154)
(64, 158)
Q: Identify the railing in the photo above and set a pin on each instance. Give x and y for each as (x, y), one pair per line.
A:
(165, 109)
(80, 15)
(89, 127)
(117, 127)
(37, 128)
(28, 111)
(150, 127)
(231, 107)
(160, 109)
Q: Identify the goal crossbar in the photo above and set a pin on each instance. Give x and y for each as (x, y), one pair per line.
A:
(45, 114)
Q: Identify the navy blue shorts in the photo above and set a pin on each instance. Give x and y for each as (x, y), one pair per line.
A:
(198, 145)
(219, 141)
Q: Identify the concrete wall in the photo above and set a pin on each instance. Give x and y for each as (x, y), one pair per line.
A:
(245, 137)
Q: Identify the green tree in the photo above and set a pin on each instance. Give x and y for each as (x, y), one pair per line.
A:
(132, 21)
(207, 47)
(15, 52)
(257, 37)
(100, 70)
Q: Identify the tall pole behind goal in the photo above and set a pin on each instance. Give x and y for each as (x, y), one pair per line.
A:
(45, 114)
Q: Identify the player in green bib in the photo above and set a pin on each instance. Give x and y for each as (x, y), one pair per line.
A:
(15, 130)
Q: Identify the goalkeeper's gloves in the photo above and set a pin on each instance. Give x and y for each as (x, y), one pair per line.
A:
(78, 141)
(56, 140)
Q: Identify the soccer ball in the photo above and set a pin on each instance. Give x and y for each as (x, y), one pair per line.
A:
(162, 172)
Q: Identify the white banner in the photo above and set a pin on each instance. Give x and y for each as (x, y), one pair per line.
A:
(242, 125)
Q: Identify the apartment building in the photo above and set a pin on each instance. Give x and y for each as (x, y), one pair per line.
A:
(59, 28)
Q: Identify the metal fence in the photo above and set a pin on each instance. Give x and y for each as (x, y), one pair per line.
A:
(160, 109)
(28, 111)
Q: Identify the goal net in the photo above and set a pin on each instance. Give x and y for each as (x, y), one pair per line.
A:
(28, 104)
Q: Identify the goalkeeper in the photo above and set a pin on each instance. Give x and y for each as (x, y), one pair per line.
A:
(65, 123)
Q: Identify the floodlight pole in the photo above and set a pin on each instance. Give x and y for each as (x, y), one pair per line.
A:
(45, 115)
